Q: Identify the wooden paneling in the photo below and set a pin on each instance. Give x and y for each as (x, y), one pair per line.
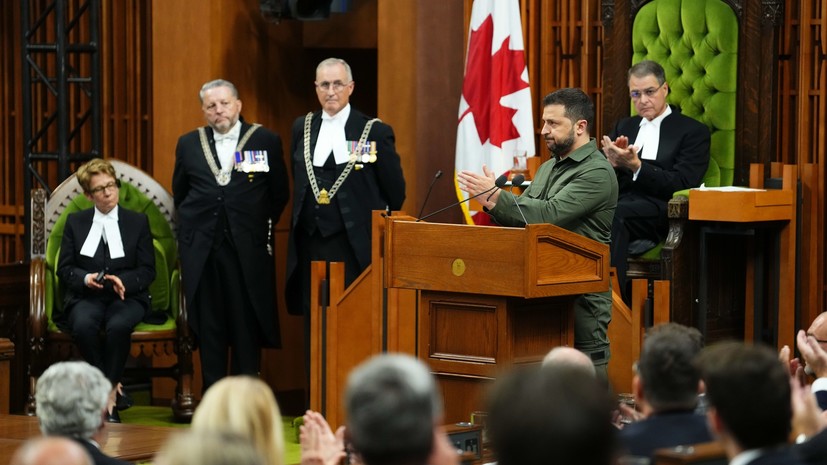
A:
(11, 126)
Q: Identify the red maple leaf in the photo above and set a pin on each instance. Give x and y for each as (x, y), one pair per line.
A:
(487, 79)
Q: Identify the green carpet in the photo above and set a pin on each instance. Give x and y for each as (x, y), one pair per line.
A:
(162, 416)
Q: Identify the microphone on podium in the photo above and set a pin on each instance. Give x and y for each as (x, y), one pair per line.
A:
(437, 175)
(499, 183)
(518, 181)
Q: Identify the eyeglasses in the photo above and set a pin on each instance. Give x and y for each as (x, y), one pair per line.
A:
(820, 341)
(650, 92)
(337, 86)
(100, 189)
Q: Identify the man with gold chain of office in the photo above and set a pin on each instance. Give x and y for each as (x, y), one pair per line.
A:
(344, 166)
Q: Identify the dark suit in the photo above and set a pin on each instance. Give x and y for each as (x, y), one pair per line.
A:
(340, 231)
(681, 163)
(88, 310)
(661, 430)
(228, 274)
(814, 450)
(98, 456)
(782, 455)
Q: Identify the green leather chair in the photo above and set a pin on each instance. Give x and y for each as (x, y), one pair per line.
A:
(696, 42)
(139, 192)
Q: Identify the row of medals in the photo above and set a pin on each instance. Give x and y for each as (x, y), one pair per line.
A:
(366, 157)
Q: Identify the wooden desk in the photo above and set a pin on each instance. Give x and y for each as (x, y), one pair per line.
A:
(133, 443)
(744, 212)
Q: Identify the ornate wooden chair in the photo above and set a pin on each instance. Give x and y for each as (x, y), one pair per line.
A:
(696, 42)
(48, 344)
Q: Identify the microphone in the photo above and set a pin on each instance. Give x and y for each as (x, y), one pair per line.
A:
(518, 181)
(437, 175)
(497, 184)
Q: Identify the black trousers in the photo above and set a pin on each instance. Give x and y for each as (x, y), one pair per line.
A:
(636, 217)
(226, 319)
(115, 319)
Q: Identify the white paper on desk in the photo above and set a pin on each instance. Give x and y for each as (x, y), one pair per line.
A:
(729, 189)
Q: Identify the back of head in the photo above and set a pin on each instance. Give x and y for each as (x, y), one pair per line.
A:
(208, 448)
(670, 379)
(749, 388)
(578, 105)
(392, 404)
(51, 451)
(245, 406)
(557, 414)
(568, 356)
(71, 398)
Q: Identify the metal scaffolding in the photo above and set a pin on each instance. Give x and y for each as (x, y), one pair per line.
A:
(61, 91)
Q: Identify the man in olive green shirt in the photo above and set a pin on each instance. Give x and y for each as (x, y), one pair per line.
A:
(576, 190)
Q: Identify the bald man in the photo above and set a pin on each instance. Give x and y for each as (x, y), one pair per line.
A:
(51, 451)
(568, 356)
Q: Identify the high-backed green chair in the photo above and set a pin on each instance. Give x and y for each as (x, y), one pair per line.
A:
(696, 42)
(139, 192)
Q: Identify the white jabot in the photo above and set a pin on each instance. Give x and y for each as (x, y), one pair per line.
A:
(105, 226)
(225, 145)
(332, 138)
(648, 138)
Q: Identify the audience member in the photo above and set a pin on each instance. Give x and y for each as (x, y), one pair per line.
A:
(749, 396)
(809, 423)
(567, 356)
(72, 400)
(51, 451)
(245, 406)
(815, 364)
(197, 447)
(666, 386)
(558, 414)
(394, 410)
(670, 152)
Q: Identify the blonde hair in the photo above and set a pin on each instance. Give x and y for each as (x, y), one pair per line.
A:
(245, 406)
(91, 168)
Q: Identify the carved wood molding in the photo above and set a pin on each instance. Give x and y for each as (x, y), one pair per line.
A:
(607, 12)
(736, 5)
(771, 12)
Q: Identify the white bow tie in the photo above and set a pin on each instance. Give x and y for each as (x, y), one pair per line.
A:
(222, 137)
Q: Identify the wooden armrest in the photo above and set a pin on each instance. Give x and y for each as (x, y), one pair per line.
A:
(39, 322)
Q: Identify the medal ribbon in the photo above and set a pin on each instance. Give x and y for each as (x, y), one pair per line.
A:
(222, 177)
(324, 197)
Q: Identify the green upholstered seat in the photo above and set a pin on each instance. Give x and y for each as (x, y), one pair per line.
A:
(161, 350)
(696, 42)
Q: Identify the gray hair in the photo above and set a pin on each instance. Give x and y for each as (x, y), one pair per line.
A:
(647, 68)
(217, 83)
(71, 398)
(392, 404)
(335, 61)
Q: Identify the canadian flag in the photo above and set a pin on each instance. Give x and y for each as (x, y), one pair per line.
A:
(495, 120)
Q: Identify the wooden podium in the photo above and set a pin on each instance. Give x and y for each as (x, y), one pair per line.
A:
(470, 301)
(490, 297)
